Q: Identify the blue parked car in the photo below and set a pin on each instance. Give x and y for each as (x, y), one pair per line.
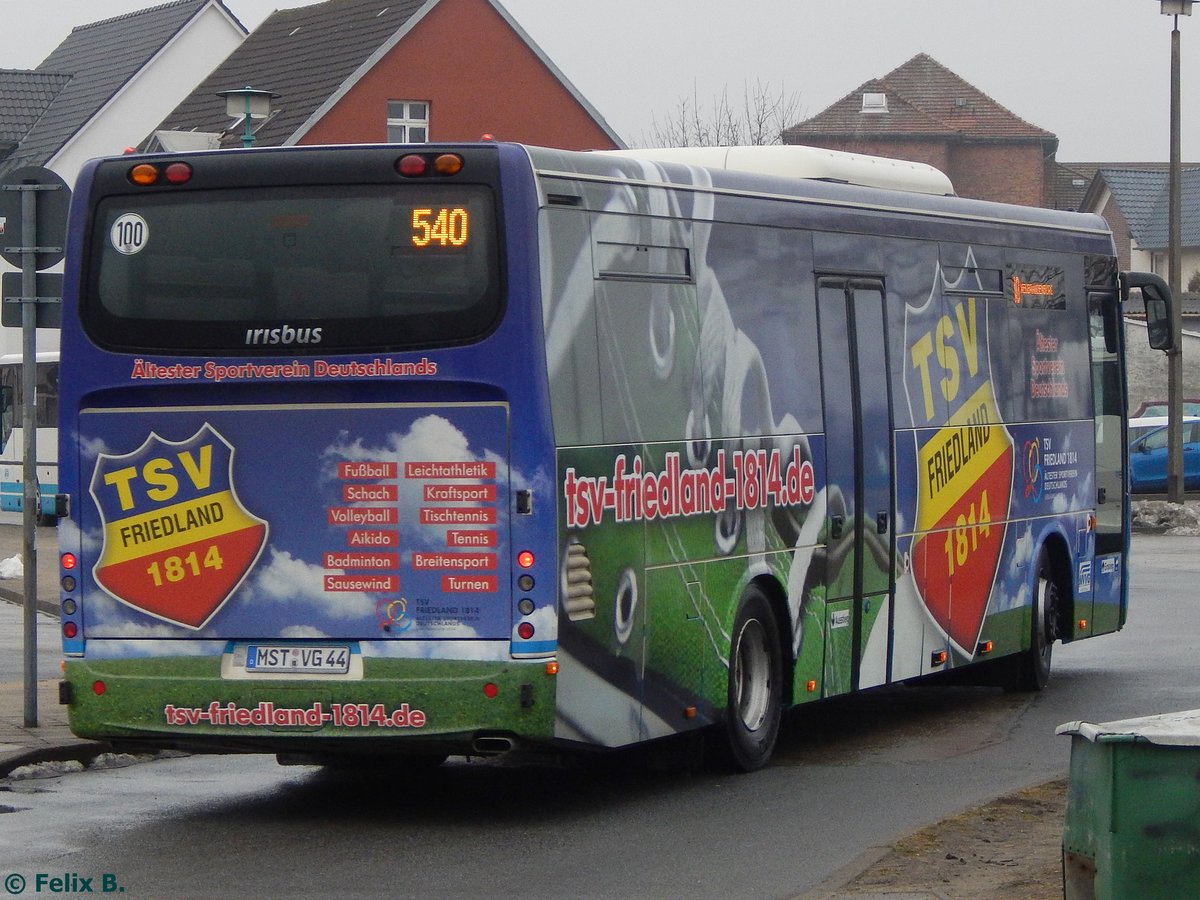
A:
(1148, 459)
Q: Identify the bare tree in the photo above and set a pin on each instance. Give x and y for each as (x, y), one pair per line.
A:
(764, 113)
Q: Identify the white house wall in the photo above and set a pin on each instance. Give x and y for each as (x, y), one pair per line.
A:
(154, 92)
(136, 110)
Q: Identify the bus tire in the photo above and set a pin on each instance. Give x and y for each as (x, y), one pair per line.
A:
(1032, 669)
(754, 703)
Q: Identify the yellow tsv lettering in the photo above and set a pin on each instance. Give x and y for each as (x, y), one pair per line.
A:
(949, 348)
(158, 479)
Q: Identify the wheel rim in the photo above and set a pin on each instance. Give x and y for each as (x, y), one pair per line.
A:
(1046, 632)
(752, 676)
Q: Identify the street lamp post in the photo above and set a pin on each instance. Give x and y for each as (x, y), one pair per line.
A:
(248, 104)
(1175, 9)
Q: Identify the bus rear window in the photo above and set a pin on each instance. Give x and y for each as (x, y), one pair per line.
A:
(350, 268)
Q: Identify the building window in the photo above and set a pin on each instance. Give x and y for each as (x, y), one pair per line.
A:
(408, 121)
(874, 102)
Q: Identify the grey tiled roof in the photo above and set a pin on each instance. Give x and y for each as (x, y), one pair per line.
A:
(1142, 198)
(925, 99)
(24, 98)
(90, 66)
(302, 54)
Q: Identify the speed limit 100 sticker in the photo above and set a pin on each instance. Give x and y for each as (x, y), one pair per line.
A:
(129, 234)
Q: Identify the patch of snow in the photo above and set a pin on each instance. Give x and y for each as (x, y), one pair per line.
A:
(12, 567)
(1166, 517)
(46, 770)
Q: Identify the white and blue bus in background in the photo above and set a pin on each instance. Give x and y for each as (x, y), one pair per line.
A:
(12, 437)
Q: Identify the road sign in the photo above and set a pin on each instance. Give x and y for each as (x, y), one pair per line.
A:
(48, 293)
(53, 198)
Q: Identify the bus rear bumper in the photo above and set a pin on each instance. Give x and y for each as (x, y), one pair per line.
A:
(399, 706)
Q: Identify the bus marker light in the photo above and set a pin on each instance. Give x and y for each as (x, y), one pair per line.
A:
(525, 559)
(1092, 522)
(938, 658)
(490, 690)
(178, 173)
(69, 561)
(811, 687)
(689, 712)
(448, 164)
(70, 629)
(1083, 624)
(98, 688)
(983, 647)
(143, 174)
(412, 165)
(552, 667)
(525, 630)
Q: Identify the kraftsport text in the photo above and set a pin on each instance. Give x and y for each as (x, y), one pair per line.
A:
(66, 883)
(757, 478)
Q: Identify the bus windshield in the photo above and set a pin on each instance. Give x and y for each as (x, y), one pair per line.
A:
(376, 267)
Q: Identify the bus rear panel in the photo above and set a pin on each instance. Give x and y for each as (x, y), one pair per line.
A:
(301, 506)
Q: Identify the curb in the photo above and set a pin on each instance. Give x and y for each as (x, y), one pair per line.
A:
(847, 873)
(49, 607)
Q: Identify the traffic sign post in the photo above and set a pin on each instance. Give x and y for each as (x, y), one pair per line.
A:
(33, 208)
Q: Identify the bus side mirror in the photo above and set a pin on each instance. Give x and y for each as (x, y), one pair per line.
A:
(1157, 298)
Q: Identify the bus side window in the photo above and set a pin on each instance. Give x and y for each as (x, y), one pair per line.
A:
(8, 414)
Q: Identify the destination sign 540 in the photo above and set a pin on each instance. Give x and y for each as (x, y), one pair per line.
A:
(758, 478)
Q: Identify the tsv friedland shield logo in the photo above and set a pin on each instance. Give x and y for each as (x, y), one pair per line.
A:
(177, 540)
(964, 457)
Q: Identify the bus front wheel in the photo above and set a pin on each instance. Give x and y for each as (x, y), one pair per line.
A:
(755, 688)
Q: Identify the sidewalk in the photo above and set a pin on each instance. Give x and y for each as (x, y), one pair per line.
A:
(50, 739)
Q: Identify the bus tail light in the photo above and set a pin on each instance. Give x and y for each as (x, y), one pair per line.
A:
(146, 174)
(525, 630)
(525, 559)
(419, 165)
(68, 560)
(70, 629)
(178, 173)
(143, 174)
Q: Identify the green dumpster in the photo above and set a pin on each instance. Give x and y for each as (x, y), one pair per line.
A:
(1132, 825)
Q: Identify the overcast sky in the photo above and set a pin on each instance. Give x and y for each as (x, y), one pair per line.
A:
(1094, 72)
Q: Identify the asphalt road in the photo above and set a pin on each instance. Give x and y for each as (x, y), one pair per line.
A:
(849, 774)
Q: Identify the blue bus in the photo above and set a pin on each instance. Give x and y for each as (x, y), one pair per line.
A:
(456, 449)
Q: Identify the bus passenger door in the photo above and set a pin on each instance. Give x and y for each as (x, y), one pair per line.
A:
(859, 504)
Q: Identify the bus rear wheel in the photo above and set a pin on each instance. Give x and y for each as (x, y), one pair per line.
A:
(755, 689)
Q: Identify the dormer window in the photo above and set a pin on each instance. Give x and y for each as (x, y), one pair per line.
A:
(874, 102)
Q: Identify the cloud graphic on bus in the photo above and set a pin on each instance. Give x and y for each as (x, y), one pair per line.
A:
(299, 584)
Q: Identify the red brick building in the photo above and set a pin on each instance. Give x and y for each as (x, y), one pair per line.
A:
(925, 113)
(406, 71)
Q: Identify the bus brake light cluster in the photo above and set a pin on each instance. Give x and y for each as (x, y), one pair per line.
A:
(419, 165)
(146, 174)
